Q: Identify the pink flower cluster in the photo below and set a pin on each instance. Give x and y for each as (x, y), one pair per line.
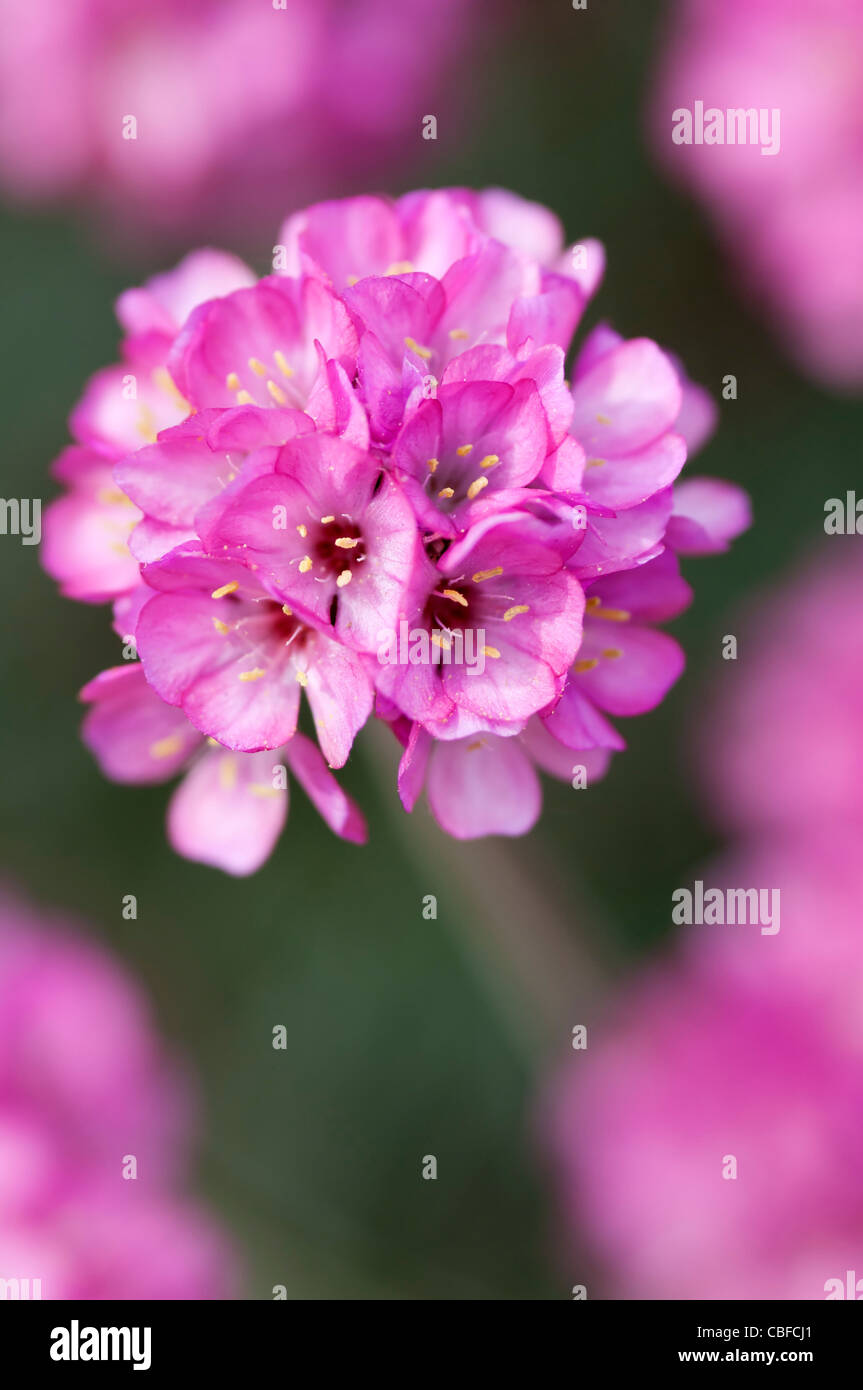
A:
(745, 1046)
(85, 1092)
(339, 479)
(151, 111)
(789, 221)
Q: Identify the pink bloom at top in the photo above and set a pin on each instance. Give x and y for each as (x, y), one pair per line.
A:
(789, 219)
(378, 443)
(84, 1084)
(279, 103)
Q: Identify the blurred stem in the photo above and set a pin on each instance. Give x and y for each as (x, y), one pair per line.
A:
(513, 915)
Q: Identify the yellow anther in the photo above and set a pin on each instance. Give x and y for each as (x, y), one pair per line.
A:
(213, 742)
(221, 627)
(489, 461)
(476, 488)
(226, 589)
(262, 789)
(288, 612)
(277, 393)
(491, 651)
(587, 664)
(455, 596)
(515, 610)
(166, 747)
(344, 578)
(113, 497)
(463, 450)
(611, 615)
(325, 520)
(487, 574)
(232, 381)
(257, 673)
(594, 463)
(305, 565)
(603, 420)
(415, 347)
(257, 366)
(446, 493)
(302, 678)
(245, 398)
(399, 268)
(433, 465)
(459, 333)
(228, 773)
(441, 641)
(281, 363)
(612, 653)
(346, 543)
(303, 530)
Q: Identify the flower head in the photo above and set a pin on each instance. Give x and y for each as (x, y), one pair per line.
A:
(366, 480)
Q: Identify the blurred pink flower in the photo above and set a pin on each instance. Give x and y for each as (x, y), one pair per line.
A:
(746, 1047)
(789, 220)
(280, 100)
(785, 741)
(85, 1087)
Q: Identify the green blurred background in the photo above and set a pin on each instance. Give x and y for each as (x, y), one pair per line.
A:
(406, 1037)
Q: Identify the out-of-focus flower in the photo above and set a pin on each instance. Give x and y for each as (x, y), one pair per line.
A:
(779, 165)
(153, 111)
(94, 1131)
(786, 741)
(367, 480)
(708, 1143)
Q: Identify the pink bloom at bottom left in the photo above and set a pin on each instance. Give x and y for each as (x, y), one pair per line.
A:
(88, 1099)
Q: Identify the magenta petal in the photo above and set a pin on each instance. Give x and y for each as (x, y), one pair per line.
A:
(483, 786)
(340, 812)
(560, 761)
(413, 766)
(340, 694)
(625, 480)
(628, 398)
(635, 666)
(577, 723)
(227, 812)
(708, 514)
(133, 735)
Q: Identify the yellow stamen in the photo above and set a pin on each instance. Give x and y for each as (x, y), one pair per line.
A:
(594, 463)
(440, 641)
(433, 465)
(261, 789)
(446, 493)
(214, 742)
(476, 488)
(257, 366)
(288, 612)
(232, 381)
(228, 773)
(489, 461)
(303, 530)
(491, 651)
(603, 420)
(302, 678)
(325, 520)
(455, 596)
(458, 333)
(113, 497)
(586, 665)
(166, 747)
(281, 363)
(226, 589)
(487, 574)
(611, 615)
(220, 626)
(346, 543)
(277, 393)
(415, 347)
(463, 450)
(305, 565)
(344, 578)
(399, 268)
(612, 653)
(245, 398)
(257, 673)
(515, 610)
